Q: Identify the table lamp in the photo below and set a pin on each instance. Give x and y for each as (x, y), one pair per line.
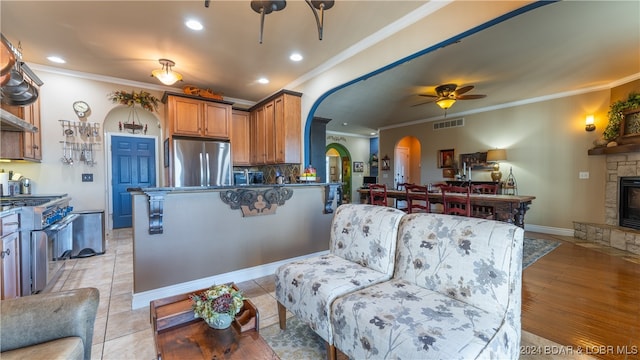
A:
(495, 156)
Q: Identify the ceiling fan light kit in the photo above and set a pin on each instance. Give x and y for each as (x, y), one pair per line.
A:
(166, 75)
(448, 94)
(265, 7)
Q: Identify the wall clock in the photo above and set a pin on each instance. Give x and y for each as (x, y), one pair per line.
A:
(81, 108)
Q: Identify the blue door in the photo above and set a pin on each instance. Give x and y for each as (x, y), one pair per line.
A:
(134, 165)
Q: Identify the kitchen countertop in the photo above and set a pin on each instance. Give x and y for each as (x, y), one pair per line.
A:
(226, 187)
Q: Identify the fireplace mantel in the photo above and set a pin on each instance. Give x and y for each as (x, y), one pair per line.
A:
(620, 149)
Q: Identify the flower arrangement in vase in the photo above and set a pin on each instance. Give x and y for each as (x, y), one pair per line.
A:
(218, 305)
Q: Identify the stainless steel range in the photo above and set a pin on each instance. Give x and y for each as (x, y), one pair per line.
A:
(46, 225)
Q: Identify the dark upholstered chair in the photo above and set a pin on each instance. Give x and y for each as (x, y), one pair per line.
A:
(378, 194)
(56, 325)
(417, 198)
(456, 205)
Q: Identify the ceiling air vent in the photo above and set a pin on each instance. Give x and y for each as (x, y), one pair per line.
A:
(445, 124)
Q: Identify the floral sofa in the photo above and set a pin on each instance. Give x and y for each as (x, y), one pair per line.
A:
(455, 294)
(362, 251)
(455, 291)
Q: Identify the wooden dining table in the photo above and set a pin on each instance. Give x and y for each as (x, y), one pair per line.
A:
(507, 208)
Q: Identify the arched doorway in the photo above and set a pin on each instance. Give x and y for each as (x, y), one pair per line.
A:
(407, 161)
(342, 171)
(127, 153)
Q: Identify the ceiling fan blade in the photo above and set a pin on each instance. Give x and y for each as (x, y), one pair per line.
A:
(463, 90)
(427, 95)
(424, 102)
(470, 97)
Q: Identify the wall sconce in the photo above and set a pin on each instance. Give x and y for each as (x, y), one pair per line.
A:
(495, 156)
(386, 163)
(166, 75)
(588, 123)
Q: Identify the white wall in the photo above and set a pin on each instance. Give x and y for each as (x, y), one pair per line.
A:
(546, 145)
(57, 95)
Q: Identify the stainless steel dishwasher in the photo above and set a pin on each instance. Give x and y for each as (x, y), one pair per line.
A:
(88, 234)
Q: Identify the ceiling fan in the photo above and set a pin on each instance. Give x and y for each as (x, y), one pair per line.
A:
(447, 94)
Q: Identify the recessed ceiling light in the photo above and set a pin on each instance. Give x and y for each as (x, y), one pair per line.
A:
(194, 24)
(295, 57)
(56, 59)
(345, 124)
(263, 81)
(373, 133)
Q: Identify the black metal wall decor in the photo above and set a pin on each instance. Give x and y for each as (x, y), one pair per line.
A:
(254, 202)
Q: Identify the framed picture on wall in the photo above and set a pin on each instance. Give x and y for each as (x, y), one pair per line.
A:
(358, 166)
(332, 170)
(446, 159)
(448, 173)
(475, 161)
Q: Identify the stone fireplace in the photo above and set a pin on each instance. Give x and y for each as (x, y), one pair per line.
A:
(619, 165)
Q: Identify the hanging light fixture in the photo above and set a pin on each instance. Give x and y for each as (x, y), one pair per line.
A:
(265, 7)
(322, 6)
(445, 103)
(166, 75)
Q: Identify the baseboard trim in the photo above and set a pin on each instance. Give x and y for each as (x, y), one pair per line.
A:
(548, 230)
(143, 299)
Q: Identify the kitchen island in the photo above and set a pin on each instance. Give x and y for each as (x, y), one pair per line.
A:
(186, 239)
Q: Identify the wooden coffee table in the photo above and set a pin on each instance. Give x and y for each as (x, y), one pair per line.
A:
(178, 335)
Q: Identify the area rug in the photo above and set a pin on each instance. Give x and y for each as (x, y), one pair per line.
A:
(534, 249)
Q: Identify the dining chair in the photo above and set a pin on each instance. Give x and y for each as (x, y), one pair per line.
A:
(456, 205)
(417, 198)
(378, 194)
(483, 211)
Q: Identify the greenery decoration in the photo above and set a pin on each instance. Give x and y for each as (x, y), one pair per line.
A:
(143, 98)
(616, 114)
(217, 300)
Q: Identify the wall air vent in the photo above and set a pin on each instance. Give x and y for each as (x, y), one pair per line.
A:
(445, 124)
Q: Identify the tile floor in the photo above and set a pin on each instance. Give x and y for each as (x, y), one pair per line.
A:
(122, 333)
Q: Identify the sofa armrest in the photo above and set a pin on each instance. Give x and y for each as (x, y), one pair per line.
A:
(44, 317)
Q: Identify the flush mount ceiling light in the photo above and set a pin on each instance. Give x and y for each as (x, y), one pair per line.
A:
(166, 75)
(265, 7)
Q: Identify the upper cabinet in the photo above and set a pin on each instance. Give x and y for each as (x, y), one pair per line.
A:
(240, 138)
(197, 117)
(23, 145)
(276, 130)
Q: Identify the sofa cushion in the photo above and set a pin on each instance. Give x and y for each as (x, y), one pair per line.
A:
(367, 235)
(472, 260)
(63, 348)
(308, 287)
(396, 319)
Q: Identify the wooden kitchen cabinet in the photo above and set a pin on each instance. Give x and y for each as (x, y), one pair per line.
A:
(196, 117)
(9, 257)
(22, 145)
(240, 138)
(276, 130)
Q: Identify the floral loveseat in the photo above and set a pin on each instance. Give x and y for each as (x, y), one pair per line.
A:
(455, 291)
(455, 294)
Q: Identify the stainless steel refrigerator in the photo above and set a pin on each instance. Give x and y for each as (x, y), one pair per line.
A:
(201, 163)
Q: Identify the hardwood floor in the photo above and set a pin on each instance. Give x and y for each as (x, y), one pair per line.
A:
(586, 298)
